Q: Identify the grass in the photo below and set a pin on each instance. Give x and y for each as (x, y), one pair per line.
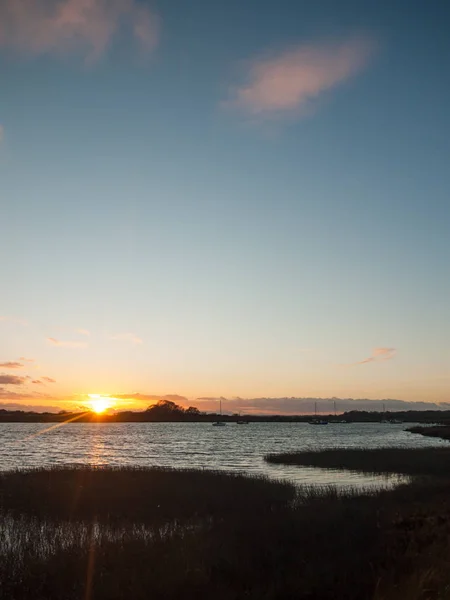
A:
(417, 462)
(137, 495)
(440, 431)
(111, 534)
(413, 520)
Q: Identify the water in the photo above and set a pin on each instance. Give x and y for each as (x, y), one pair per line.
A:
(199, 445)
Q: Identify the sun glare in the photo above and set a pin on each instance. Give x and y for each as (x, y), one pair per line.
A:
(99, 403)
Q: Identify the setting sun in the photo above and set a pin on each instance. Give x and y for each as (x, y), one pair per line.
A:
(99, 403)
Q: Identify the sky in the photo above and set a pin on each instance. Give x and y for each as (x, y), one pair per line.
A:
(237, 199)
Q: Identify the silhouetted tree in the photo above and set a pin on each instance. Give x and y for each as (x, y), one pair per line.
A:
(165, 410)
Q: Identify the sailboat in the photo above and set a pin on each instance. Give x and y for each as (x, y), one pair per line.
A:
(384, 419)
(219, 423)
(242, 421)
(317, 421)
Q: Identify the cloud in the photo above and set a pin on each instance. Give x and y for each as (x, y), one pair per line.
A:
(127, 337)
(83, 332)
(377, 355)
(291, 80)
(298, 406)
(66, 344)
(38, 381)
(11, 365)
(26, 359)
(49, 379)
(147, 399)
(82, 27)
(27, 407)
(12, 380)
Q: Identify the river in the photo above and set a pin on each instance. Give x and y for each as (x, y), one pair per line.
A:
(199, 445)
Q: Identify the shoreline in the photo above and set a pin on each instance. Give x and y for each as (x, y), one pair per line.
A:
(345, 419)
(440, 431)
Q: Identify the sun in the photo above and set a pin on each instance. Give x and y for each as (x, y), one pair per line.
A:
(99, 403)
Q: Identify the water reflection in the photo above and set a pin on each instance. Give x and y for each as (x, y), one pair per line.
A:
(192, 445)
(97, 451)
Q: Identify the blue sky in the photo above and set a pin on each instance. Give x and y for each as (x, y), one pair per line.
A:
(238, 199)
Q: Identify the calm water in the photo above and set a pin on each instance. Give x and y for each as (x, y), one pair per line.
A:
(200, 445)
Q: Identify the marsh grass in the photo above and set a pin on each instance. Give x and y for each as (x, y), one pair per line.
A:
(439, 431)
(157, 531)
(113, 534)
(426, 462)
(134, 494)
(413, 519)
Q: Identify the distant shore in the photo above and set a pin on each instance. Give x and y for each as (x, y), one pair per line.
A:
(150, 416)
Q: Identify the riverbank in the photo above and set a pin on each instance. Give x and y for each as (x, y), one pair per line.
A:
(440, 431)
(137, 533)
(418, 462)
(166, 411)
(413, 519)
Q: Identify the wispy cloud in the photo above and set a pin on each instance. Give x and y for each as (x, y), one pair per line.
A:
(11, 365)
(378, 354)
(82, 27)
(38, 381)
(26, 359)
(127, 337)
(289, 81)
(66, 343)
(25, 407)
(85, 332)
(48, 379)
(12, 380)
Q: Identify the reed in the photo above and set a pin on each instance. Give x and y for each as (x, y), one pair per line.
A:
(110, 534)
(439, 431)
(427, 462)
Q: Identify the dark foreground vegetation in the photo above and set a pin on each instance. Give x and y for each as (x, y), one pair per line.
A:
(423, 462)
(441, 431)
(412, 521)
(109, 534)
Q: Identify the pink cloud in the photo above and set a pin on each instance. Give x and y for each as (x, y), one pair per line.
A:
(127, 337)
(83, 332)
(146, 27)
(291, 80)
(11, 380)
(25, 407)
(66, 344)
(85, 27)
(378, 354)
(26, 359)
(11, 365)
(48, 379)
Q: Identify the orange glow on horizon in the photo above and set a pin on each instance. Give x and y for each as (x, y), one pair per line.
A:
(99, 404)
